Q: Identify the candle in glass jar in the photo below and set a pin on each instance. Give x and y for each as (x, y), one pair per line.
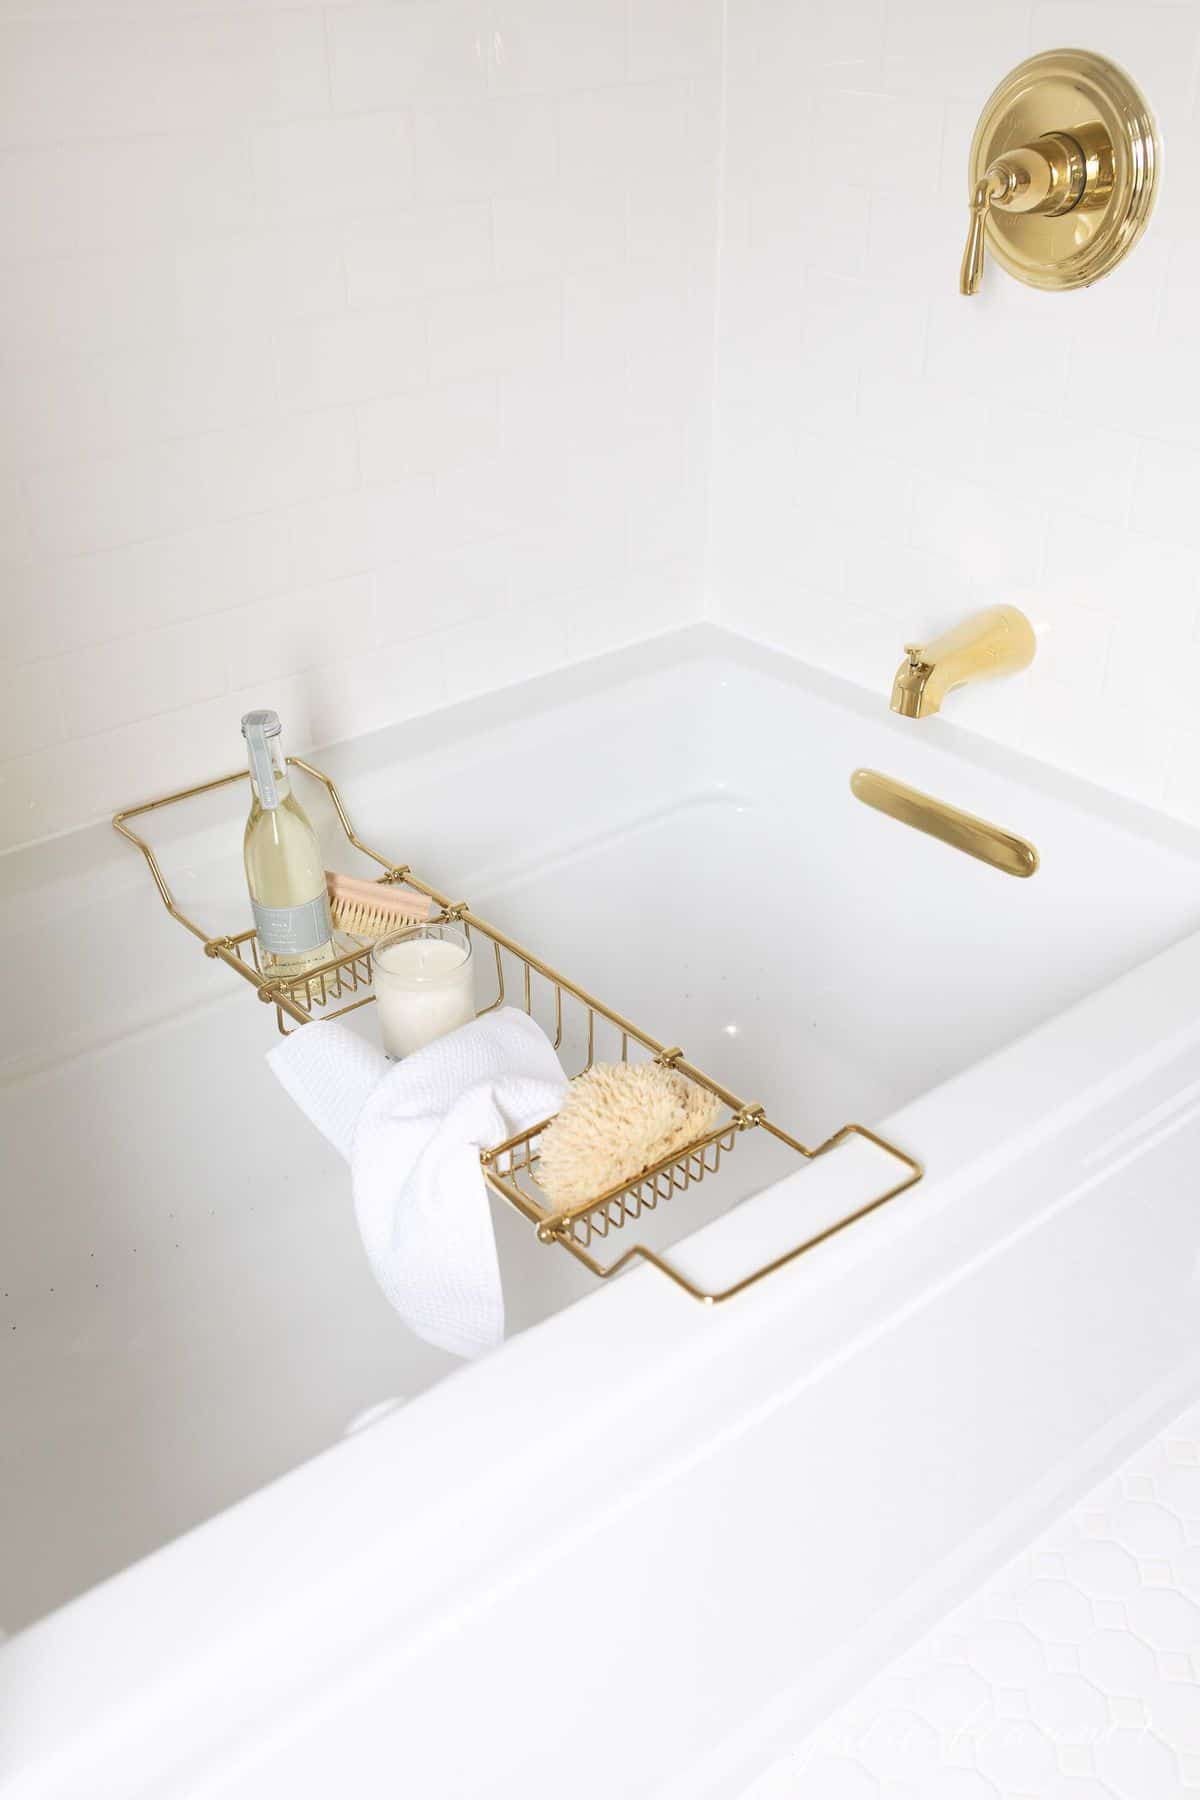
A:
(424, 984)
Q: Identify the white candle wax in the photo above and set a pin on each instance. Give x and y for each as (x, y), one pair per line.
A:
(425, 988)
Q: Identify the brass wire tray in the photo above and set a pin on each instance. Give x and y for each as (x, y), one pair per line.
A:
(583, 1030)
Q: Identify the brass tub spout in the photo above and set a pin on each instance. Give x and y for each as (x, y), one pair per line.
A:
(998, 641)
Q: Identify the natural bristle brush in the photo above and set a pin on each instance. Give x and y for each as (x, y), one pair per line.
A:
(617, 1121)
(370, 909)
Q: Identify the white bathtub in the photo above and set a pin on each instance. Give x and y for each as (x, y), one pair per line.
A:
(645, 1540)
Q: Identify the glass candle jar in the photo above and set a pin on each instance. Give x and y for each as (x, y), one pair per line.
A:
(424, 985)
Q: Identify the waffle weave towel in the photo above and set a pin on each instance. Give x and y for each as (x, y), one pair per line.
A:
(412, 1132)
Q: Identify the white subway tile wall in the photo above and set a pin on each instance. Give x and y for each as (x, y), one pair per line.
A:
(887, 455)
(359, 357)
(354, 358)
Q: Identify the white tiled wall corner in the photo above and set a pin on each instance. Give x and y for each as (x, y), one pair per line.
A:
(888, 455)
(354, 357)
(403, 314)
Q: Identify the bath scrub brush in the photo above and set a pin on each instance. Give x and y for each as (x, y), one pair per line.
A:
(370, 909)
(619, 1119)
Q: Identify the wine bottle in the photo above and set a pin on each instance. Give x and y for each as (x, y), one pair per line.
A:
(285, 871)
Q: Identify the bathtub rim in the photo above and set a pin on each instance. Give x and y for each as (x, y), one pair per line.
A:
(79, 1710)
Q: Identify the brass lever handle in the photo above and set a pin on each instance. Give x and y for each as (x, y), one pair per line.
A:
(971, 272)
(1048, 177)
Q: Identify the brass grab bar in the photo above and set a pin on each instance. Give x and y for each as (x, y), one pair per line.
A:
(962, 831)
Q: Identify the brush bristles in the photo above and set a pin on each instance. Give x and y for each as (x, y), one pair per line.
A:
(357, 918)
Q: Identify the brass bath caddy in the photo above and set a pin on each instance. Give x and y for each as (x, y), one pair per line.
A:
(583, 1031)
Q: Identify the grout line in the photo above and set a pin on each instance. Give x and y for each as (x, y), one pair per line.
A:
(328, 61)
(710, 603)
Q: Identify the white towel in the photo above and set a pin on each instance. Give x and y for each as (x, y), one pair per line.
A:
(412, 1133)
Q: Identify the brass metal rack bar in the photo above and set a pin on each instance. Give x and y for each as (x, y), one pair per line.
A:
(510, 1167)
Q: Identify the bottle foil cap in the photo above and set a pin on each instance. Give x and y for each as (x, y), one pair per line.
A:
(256, 728)
(266, 721)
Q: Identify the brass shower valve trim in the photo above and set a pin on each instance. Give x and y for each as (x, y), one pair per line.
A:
(1063, 173)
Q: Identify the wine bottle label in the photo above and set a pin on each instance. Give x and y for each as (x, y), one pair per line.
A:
(293, 930)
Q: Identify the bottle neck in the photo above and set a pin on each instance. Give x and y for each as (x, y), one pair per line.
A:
(268, 767)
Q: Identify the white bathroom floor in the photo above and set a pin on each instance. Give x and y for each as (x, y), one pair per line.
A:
(1073, 1675)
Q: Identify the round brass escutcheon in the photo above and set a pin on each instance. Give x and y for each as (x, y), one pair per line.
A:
(1096, 118)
